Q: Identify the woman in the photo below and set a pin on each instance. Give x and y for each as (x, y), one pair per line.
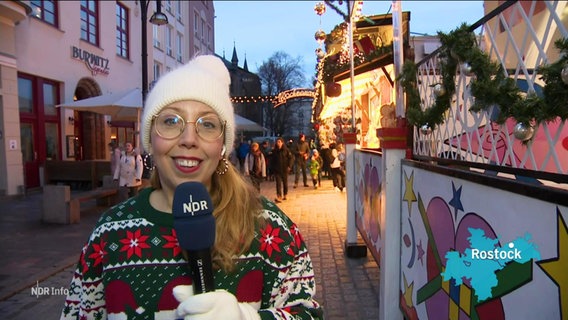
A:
(281, 163)
(255, 165)
(128, 172)
(132, 266)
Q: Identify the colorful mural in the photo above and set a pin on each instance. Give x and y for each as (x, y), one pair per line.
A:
(368, 183)
(438, 216)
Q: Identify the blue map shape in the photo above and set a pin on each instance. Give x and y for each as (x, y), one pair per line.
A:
(480, 262)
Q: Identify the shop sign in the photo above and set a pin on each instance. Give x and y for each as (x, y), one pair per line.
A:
(96, 64)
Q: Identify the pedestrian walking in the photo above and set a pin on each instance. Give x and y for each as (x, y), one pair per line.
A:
(255, 165)
(281, 164)
(242, 152)
(301, 153)
(337, 167)
(266, 150)
(128, 172)
(133, 267)
(315, 164)
(325, 153)
(115, 154)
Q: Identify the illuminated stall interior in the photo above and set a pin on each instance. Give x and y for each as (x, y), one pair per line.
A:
(373, 78)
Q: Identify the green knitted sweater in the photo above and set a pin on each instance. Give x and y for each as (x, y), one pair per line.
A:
(132, 261)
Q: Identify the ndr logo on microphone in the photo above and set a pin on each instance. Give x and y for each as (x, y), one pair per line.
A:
(194, 207)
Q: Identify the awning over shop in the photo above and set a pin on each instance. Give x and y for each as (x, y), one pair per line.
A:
(123, 106)
(245, 125)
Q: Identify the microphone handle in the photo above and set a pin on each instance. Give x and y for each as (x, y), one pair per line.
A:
(201, 271)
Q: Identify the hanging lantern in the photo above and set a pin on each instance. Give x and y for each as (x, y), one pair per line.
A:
(320, 36)
(439, 90)
(523, 132)
(333, 89)
(319, 8)
(425, 129)
(564, 74)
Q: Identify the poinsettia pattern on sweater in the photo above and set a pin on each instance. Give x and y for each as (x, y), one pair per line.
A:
(132, 261)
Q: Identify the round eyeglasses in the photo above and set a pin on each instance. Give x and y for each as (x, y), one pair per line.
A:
(171, 126)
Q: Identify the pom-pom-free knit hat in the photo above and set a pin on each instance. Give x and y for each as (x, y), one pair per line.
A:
(204, 79)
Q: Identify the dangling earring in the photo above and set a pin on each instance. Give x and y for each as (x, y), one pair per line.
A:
(148, 162)
(225, 167)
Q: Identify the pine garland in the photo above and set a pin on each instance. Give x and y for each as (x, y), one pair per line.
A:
(489, 85)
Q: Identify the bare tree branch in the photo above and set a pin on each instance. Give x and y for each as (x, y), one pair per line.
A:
(279, 73)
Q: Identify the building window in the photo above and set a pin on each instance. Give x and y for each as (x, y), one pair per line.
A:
(179, 11)
(157, 70)
(209, 37)
(169, 6)
(122, 31)
(203, 30)
(45, 10)
(39, 118)
(179, 46)
(196, 23)
(89, 21)
(169, 50)
(25, 95)
(156, 36)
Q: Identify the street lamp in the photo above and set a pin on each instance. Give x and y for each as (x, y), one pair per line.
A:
(158, 18)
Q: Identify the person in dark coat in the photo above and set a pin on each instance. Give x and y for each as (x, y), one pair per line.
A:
(281, 163)
(327, 159)
(302, 153)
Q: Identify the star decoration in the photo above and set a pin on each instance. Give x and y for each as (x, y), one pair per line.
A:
(409, 195)
(408, 289)
(456, 200)
(420, 252)
(555, 268)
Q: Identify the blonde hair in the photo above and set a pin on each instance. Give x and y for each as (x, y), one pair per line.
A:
(237, 208)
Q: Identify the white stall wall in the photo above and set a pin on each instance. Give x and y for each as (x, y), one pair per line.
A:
(437, 212)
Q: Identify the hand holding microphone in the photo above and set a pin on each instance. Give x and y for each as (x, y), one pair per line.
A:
(195, 228)
(219, 304)
(194, 224)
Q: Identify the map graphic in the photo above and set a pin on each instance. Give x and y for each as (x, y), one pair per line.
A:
(479, 263)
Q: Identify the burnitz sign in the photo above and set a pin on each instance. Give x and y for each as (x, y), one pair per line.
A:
(95, 63)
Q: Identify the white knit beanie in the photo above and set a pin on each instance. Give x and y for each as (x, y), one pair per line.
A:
(204, 79)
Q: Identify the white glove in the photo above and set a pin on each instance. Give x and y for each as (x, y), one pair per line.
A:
(215, 305)
(183, 292)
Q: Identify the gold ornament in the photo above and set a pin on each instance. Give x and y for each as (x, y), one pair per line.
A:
(319, 8)
(320, 35)
(439, 90)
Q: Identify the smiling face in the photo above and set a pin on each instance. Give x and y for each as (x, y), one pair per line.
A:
(187, 157)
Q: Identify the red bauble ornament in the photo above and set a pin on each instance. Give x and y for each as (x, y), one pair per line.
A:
(316, 126)
(333, 89)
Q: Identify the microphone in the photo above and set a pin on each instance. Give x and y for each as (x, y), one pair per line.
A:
(195, 228)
